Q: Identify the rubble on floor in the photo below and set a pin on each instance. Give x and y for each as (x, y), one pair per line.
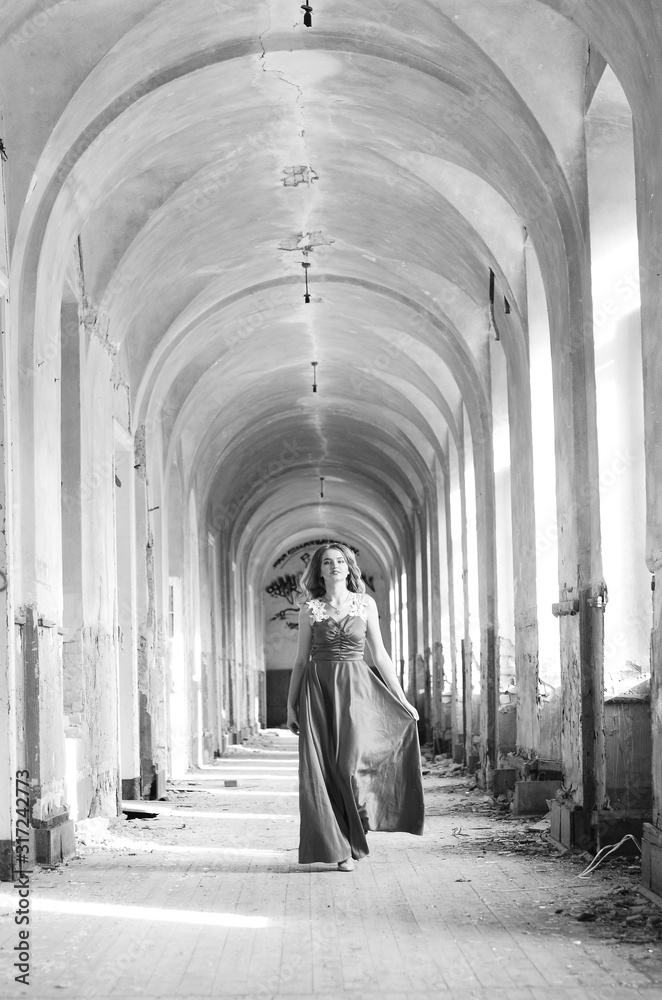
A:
(619, 912)
(623, 914)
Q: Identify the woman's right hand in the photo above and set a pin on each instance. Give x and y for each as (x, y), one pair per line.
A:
(412, 711)
(292, 720)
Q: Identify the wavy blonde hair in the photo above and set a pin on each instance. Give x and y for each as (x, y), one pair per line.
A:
(312, 584)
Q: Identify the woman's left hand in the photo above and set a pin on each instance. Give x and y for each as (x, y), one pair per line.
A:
(292, 720)
(412, 711)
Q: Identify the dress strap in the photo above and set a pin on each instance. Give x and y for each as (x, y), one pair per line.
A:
(318, 612)
(357, 608)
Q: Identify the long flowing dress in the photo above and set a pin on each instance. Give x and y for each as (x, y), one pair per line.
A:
(359, 757)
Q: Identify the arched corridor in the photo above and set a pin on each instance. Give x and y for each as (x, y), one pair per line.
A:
(390, 279)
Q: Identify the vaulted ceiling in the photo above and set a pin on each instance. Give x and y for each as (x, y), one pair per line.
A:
(204, 151)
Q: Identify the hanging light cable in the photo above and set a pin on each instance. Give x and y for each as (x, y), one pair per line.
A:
(314, 364)
(322, 487)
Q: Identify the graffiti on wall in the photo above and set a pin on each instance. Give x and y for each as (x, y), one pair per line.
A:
(285, 588)
(308, 545)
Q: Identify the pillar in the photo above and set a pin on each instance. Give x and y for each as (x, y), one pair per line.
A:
(581, 588)
(505, 665)
(648, 156)
(524, 555)
(127, 649)
(9, 757)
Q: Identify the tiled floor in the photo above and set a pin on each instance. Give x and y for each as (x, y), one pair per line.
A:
(207, 900)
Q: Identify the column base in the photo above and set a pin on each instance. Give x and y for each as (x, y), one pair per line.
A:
(9, 868)
(147, 778)
(131, 788)
(54, 844)
(152, 782)
(531, 797)
(161, 791)
(651, 859)
(571, 826)
(503, 781)
(239, 735)
(6, 861)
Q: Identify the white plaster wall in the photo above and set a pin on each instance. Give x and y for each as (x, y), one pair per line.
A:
(619, 377)
(544, 471)
(503, 527)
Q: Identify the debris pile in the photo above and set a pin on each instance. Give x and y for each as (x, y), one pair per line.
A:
(622, 914)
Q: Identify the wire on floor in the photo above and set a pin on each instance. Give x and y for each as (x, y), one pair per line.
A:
(601, 856)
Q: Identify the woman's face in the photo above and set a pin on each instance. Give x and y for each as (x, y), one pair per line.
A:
(334, 567)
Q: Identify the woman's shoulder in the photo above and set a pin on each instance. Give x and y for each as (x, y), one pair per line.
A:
(360, 605)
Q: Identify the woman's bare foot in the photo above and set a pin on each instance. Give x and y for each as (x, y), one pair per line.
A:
(346, 866)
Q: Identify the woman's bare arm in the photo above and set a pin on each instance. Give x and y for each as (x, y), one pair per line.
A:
(300, 664)
(382, 660)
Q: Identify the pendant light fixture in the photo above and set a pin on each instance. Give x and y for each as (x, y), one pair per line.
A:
(305, 265)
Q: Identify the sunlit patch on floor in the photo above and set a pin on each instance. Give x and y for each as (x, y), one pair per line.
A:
(149, 913)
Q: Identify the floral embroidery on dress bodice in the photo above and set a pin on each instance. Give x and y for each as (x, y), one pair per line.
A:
(357, 609)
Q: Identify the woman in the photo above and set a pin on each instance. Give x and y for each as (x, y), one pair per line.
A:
(359, 759)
